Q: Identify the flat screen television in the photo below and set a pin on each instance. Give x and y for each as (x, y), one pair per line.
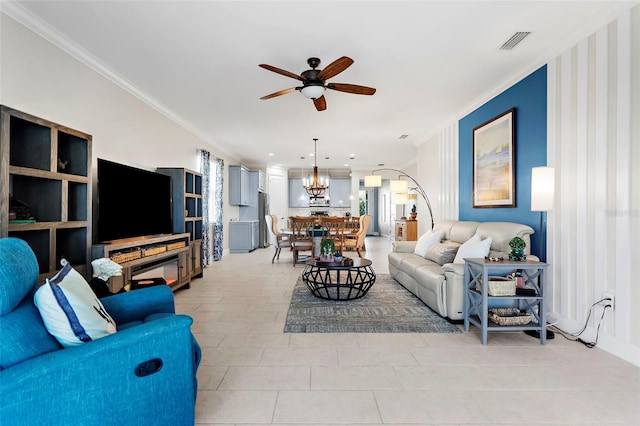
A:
(132, 202)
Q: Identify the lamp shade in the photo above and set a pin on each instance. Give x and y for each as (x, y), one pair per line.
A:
(542, 188)
(400, 198)
(399, 186)
(374, 181)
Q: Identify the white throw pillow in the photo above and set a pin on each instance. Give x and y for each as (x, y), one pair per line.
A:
(473, 248)
(426, 241)
(70, 310)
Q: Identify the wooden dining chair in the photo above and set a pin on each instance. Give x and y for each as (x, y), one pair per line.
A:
(356, 241)
(334, 228)
(301, 238)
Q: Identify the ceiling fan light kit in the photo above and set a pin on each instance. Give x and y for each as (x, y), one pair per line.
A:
(315, 81)
(312, 91)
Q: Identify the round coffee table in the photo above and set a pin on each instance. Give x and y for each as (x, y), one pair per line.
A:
(335, 281)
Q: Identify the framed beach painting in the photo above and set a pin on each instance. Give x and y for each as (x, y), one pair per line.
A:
(493, 162)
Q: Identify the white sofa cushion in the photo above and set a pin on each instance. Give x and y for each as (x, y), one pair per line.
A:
(474, 247)
(425, 241)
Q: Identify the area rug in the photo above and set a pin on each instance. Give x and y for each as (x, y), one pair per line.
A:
(386, 308)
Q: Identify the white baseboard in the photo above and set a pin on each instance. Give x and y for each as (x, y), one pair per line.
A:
(608, 343)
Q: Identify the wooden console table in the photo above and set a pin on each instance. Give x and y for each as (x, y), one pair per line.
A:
(173, 263)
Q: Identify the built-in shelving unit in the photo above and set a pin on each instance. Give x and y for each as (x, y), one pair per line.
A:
(187, 210)
(46, 167)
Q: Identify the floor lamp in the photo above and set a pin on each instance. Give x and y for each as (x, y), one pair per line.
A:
(542, 194)
(375, 181)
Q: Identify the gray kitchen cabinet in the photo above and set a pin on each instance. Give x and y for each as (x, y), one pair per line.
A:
(260, 180)
(298, 197)
(243, 235)
(339, 192)
(239, 193)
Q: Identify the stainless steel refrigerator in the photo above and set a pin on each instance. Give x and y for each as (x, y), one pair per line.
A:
(256, 210)
(263, 209)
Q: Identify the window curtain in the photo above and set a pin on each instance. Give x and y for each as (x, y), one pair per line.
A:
(205, 169)
(217, 226)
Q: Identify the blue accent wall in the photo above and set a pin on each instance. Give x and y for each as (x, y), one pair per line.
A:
(529, 98)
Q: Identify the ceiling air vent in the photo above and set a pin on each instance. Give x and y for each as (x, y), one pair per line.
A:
(514, 40)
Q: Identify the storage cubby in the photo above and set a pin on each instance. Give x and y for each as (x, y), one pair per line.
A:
(29, 144)
(39, 242)
(76, 204)
(197, 183)
(43, 196)
(197, 232)
(57, 193)
(72, 154)
(190, 206)
(69, 246)
(189, 186)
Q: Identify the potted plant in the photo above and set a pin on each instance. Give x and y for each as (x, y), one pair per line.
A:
(327, 248)
(517, 245)
(414, 212)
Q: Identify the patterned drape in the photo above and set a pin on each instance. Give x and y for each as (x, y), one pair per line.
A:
(205, 169)
(217, 229)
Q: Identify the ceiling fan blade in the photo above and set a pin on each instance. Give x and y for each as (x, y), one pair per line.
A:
(335, 68)
(320, 103)
(281, 71)
(351, 88)
(281, 92)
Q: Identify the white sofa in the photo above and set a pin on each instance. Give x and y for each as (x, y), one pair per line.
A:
(440, 286)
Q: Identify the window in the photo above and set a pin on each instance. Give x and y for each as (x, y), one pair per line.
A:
(363, 197)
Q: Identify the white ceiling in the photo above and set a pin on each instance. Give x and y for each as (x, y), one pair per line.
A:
(431, 62)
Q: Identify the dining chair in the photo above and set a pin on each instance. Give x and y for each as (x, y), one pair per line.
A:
(356, 241)
(334, 227)
(276, 238)
(301, 237)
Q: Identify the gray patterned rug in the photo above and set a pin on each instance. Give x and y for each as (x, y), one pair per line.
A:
(386, 308)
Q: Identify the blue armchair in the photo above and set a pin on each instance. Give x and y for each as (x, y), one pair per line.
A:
(144, 374)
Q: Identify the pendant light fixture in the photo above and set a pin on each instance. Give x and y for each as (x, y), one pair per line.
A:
(315, 188)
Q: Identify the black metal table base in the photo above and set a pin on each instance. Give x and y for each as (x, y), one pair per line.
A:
(338, 283)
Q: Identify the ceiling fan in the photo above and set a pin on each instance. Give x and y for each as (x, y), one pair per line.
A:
(314, 81)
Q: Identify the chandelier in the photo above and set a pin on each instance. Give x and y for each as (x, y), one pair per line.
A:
(314, 186)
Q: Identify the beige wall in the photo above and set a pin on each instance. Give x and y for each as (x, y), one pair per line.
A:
(40, 79)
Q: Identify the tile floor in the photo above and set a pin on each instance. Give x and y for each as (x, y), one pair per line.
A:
(254, 374)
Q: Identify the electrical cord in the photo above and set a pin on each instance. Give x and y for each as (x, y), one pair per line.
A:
(569, 336)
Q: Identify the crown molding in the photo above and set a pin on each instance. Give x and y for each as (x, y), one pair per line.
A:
(40, 27)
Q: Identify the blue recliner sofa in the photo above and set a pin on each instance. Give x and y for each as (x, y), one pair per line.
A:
(114, 380)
